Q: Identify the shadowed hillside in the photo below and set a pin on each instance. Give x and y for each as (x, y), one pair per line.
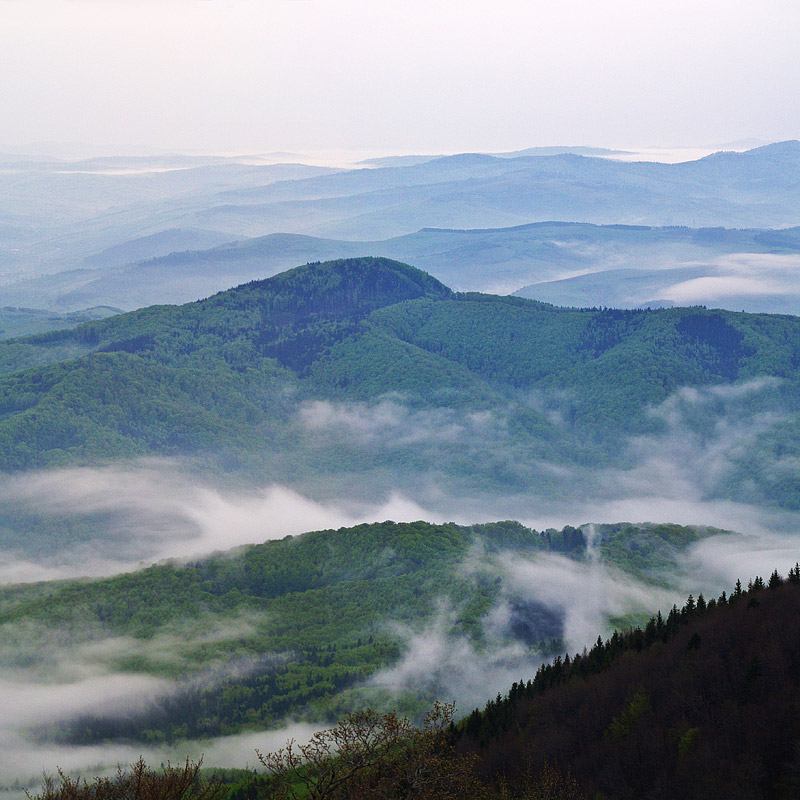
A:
(700, 703)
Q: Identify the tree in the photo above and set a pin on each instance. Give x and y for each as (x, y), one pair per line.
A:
(139, 783)
(549, 784)
(552, 785)
(332, 758)
(380, 756)
(701, 604)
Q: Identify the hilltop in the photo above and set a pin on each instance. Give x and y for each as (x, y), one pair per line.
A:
(285, 363)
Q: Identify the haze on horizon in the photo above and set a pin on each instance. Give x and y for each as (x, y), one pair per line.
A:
(290, 75)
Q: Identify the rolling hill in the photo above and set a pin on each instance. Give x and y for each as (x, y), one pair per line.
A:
(369, 363)
(756, 188)
(313, 625)
(571, 264)
(56, 215)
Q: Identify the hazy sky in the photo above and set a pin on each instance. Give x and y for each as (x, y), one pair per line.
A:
(389, 75)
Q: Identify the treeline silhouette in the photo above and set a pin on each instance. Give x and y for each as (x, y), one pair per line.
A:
(701, 703)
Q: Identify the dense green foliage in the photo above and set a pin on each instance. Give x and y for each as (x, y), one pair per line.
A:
(230, 376)
(646, 552)
(16, 322)
(296, 626)
(700, 703)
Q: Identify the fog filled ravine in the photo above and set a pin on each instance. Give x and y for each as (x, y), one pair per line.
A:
(231, 522)
(399, 401)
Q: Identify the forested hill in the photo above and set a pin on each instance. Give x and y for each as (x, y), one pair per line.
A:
(297, 626)
(701, 703)
(235, 374)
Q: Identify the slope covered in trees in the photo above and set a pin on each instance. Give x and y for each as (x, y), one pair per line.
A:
(296, 627)
(234, 374)
(699, 703)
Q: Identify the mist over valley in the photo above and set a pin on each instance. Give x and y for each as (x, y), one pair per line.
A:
(399, 401)
(646, 454)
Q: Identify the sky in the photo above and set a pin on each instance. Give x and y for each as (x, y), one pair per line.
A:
(234, 76)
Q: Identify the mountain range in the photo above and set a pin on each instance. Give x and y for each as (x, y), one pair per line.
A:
(567, 264)
(346, 385)
(366, 376)
(57, 216)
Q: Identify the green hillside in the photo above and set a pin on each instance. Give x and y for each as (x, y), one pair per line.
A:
(16, 322)
(699, 702)
(232, 375)
(295, 627)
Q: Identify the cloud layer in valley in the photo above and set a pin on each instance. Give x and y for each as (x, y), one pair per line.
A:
(424, 463)
(154, 510)
(158, 509)
(739, 275)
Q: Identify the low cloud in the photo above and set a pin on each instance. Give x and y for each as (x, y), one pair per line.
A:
(582, 597)
(762, 265)
(724, 559)
(716, 287)
(705, 434)
(554, 595)
(440, 663)
(24, 760)
(587, 594)
(740, 275)
(32, 705)
(153, 510)
(115, 518)
(50, 678)
(150, 510)
(393, 423)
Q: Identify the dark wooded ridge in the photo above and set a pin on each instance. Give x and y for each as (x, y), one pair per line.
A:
(703, 703)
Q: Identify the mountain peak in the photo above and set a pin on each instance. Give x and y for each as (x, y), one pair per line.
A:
(345, 286)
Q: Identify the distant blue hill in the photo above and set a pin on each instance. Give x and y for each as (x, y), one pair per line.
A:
(572, 264)
(757, 188)
(54, 217)
(157, 244)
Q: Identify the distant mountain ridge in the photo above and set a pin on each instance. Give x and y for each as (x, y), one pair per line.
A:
(498, 260)
(55, 219)
(478, 190)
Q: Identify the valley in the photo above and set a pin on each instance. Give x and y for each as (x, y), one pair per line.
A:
(356, 391)
(399, 401)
